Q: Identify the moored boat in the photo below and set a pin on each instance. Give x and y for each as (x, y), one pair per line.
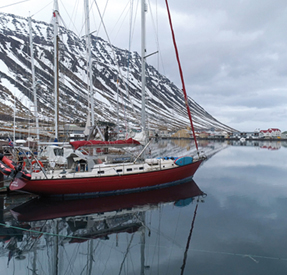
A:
(90, 175)
(93, 175)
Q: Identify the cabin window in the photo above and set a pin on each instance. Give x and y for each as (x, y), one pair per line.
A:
(59, 152)
(101, 172)
(129, 169)
(97, 161)
(119, 170)
(141, 168)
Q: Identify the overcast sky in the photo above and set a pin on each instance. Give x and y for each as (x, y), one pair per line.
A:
(233, 52)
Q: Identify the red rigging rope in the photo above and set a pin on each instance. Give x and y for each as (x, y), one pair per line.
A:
(181, 75)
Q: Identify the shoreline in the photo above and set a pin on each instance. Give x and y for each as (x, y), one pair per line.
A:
(226, 139)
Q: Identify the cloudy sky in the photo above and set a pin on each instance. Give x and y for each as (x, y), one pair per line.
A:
(233, 52)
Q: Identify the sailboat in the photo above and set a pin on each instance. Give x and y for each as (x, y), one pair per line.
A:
(87, 175)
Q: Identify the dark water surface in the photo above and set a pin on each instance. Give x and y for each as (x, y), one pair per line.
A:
(230, 220)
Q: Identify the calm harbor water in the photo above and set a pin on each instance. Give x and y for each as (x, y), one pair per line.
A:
(230, 220)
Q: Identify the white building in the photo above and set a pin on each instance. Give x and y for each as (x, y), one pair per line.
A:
(270, 133)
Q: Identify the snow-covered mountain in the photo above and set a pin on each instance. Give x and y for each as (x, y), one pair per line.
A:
(165, 103)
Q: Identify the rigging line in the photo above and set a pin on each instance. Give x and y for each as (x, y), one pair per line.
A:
(131, 25)
(84, 268)
(133, 268)
(117, 63)
(69, 269)
(75, 9)
(13, 4)
(127, 251)
(107, 259)
(40, 9)
(105, 9)
(240, 254)
(111, 246)
(156, 17)
(154, 24)
(98, 243)
(73, 23)
(135, 17)
(181, 76)
(125, 11)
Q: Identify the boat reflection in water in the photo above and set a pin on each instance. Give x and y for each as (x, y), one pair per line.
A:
(103, 234)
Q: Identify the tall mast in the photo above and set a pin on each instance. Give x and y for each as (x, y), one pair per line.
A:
(56, 66)
(89, 60)
(181, 77)
(143, 51)
(33, 78)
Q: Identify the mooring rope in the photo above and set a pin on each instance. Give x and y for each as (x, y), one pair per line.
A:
(43, 233)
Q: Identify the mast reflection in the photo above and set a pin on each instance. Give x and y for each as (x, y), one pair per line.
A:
(56, 226)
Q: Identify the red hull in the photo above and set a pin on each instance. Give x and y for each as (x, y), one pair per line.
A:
(106, 184)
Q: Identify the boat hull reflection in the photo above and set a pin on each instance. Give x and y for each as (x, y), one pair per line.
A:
(45, 208)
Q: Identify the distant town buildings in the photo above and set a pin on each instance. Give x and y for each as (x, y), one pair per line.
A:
(76, 132)
(270, 133)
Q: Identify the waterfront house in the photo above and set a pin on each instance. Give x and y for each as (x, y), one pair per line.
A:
(270, 133)
(183, 133)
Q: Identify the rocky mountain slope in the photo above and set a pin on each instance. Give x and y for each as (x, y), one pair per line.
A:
(165, 103)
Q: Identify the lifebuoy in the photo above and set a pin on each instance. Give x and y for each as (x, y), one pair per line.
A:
(35, 163)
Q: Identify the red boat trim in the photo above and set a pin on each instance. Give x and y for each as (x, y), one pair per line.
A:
(99, 143)
(181, 75)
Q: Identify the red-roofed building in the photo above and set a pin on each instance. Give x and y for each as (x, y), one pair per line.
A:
(270, 133)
